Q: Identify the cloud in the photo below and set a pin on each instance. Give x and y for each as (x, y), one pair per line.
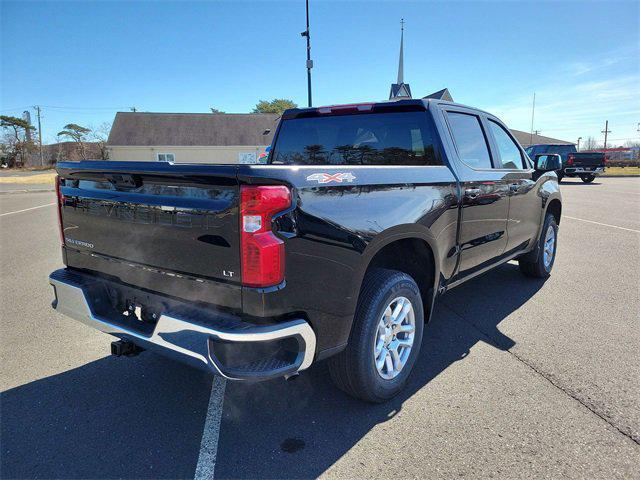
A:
(578, 102)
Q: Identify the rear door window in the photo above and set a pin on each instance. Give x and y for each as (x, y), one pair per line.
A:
(395, 138)
(469, 139)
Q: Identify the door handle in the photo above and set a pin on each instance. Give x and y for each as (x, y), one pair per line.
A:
(472, 192)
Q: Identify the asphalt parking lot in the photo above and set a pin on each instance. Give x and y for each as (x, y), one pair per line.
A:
(517, 377)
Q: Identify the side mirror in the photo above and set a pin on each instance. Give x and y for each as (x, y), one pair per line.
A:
(546, 162)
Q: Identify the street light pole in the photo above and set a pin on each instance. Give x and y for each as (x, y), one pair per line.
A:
(533, 112)
(309, 61)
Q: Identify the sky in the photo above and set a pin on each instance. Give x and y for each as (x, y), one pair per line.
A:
(83, 61)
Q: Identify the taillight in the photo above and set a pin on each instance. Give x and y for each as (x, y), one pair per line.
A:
(262, 253)
(60, 199)
(570, 160)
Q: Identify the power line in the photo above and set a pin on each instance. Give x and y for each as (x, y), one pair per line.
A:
(84, 108)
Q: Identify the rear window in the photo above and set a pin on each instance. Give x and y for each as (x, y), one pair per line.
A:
(398, 138)
(562, 149)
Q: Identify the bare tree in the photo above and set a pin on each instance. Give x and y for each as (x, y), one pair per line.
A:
(100, 135)
(590, 144)
(78, 134)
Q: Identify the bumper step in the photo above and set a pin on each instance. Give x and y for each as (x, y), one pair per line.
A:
(207, 340)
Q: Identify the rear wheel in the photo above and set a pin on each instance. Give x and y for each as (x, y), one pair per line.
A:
(547, 246)
(588, 178)
(385, 338)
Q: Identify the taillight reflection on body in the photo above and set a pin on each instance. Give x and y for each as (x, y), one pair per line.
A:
(262, 253)
(60, 199)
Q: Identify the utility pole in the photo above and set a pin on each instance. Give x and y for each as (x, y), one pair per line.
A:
(309, 61)
(533, 111)
(606, 131)
(578, 148)
(37, 109)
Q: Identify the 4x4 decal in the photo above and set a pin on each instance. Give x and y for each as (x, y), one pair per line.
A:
(332, 177)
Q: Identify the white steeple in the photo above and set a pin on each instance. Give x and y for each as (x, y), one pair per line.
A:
(400, 89)
(401, 62)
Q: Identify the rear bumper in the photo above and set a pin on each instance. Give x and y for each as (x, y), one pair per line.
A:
(189, 335)
(583, 171)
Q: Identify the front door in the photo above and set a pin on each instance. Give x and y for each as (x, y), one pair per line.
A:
(525, 205)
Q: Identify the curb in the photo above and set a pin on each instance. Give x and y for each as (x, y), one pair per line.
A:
(40, 190)
(633, 175)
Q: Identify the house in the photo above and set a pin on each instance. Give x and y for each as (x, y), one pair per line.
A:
(525, 139)
(191, 137)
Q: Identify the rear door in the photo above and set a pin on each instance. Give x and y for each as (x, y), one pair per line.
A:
(524, 202)
(483, 227)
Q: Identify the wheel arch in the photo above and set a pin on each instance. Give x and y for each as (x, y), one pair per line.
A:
(554, 207)
(409, 251)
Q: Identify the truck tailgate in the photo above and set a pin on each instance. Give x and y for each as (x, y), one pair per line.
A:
(166, 228)
(587, 159)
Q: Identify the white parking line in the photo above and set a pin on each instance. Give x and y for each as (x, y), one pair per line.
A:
(209, 444)
(27, 209)
(603, 224)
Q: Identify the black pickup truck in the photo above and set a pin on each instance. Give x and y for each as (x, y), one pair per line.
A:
(586, 165)
(336, 249)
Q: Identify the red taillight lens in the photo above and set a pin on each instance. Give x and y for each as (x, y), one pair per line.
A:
(570, 160)
(262, 253)
(60, 199)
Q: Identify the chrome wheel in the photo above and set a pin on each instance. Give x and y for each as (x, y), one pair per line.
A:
(394, 339)
(549, 246)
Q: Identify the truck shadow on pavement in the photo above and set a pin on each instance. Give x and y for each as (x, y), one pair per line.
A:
(111, 418)
(579, 182)
(144, 417)
(301, 428)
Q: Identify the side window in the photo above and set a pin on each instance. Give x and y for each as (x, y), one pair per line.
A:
(470, 141)
(166, 157)
(510, 155)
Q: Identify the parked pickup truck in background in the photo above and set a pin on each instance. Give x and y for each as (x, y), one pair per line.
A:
(336, 249)
(586, 165)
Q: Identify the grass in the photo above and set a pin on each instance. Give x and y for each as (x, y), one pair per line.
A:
(31, 179)
(622, 171)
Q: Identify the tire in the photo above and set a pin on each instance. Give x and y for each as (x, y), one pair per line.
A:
(542, 266)
(354, 369)
(588, 178)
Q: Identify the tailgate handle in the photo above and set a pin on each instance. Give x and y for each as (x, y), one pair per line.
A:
(124, 180)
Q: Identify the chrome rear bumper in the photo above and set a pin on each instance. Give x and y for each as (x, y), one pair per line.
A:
(192, 341)
(584, 171)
